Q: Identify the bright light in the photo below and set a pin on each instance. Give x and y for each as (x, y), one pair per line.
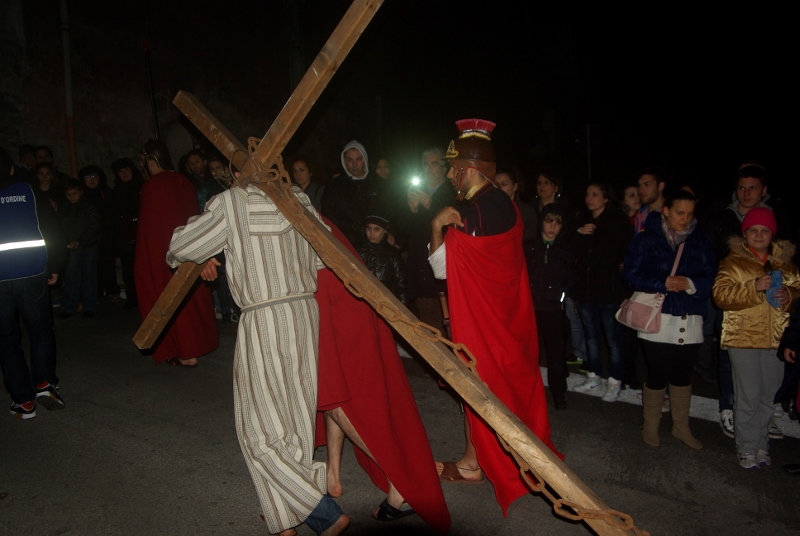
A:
(414, 181)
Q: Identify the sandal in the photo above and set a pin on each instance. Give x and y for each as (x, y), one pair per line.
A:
(387, 512)
(451, 474)
(176, 362)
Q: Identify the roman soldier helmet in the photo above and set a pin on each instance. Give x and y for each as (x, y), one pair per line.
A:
(157, 150)
(473, 147)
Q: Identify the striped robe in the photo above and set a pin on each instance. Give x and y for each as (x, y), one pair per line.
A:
(275, 365)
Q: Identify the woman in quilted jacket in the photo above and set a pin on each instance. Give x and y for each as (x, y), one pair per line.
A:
(756, 286)
(671, 353)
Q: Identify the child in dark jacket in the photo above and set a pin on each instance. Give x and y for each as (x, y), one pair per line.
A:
(382, 259)
(550, 261)
(81, 225)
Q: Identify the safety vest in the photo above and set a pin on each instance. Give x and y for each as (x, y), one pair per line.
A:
(22, 248)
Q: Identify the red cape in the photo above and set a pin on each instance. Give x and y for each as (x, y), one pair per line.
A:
(361, 372)
(168, 200)
(491, 312)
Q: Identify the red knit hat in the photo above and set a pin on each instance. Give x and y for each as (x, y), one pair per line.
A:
(760, 216)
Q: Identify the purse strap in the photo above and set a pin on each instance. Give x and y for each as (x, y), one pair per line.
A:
(677, 258)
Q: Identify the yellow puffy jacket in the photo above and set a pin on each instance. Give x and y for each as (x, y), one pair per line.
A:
(749, 321)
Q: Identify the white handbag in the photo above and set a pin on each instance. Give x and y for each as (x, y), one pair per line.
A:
(642, 311)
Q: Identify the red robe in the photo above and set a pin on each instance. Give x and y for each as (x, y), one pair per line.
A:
(491, 312)
(167, 201)
(361, 372)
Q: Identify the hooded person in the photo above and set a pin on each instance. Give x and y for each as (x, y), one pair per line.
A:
(354, 195)
(477, 246)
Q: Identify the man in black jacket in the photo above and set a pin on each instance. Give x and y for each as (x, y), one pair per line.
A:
(414, 219)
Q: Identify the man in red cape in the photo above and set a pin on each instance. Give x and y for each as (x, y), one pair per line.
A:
(168, 199)
(491, 310)
(361, 373)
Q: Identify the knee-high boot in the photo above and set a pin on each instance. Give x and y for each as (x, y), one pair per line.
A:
(680, 400)
(651, 409)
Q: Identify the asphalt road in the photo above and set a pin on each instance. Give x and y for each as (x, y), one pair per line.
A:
(143, 449)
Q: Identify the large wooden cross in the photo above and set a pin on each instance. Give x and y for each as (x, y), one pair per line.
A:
(256, 166)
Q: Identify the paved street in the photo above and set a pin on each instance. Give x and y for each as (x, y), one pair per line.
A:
(146, 450)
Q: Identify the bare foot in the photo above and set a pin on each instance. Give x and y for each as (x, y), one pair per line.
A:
(334, 487)
(337, 528)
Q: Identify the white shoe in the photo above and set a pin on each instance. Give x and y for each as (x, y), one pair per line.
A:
(774, 431)
(726, 422)
(591, 383)
(747, 460)
(762, 456)
(779, 413)
(612, 390)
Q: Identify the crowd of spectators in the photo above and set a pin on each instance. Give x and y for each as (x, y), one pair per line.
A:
(583, 259)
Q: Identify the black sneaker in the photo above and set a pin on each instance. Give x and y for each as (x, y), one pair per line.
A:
(26, 410)
(574, 360)
(47, 394)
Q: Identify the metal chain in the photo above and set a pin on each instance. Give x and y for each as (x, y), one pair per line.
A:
(612, 517)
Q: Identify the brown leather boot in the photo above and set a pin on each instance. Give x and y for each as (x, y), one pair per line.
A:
(680, 400)
(651, 409)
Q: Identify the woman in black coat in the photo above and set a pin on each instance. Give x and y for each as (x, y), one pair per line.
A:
(602, 237)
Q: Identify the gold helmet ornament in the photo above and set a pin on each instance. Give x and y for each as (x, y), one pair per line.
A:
(472, 149)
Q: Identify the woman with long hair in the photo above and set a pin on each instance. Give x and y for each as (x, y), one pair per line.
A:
(600, 245)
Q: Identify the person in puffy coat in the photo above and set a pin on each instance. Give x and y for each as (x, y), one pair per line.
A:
(550, 261)
(671, 353)
(382, 259)
(756, 286)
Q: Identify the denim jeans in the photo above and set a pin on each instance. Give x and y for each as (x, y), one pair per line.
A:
(575, 329)
(597, 317)
(81, 279)
(324, 515)
(27, 299)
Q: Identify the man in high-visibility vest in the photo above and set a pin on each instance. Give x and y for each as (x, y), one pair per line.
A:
(31, 255)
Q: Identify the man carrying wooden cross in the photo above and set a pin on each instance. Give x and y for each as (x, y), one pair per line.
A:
(272, 271)
(491, 311)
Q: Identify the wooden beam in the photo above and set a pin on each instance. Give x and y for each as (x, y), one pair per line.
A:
(171, 298)
(474, 392)
(313, 83)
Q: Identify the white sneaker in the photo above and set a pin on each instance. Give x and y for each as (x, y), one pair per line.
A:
(726, 422)
(747, 460)
(592, 383)
(612, 390)
(763, 457)
(774, 431)
(779, 413)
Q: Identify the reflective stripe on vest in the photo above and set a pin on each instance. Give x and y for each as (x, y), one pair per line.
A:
(22, 247)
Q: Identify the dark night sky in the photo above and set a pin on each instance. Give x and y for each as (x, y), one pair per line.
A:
(693, 92)
(696, 92)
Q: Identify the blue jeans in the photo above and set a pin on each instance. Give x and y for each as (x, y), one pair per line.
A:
(28, 299)
(81, 279)
(575, 329)
(597, 317)
(324, 515)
